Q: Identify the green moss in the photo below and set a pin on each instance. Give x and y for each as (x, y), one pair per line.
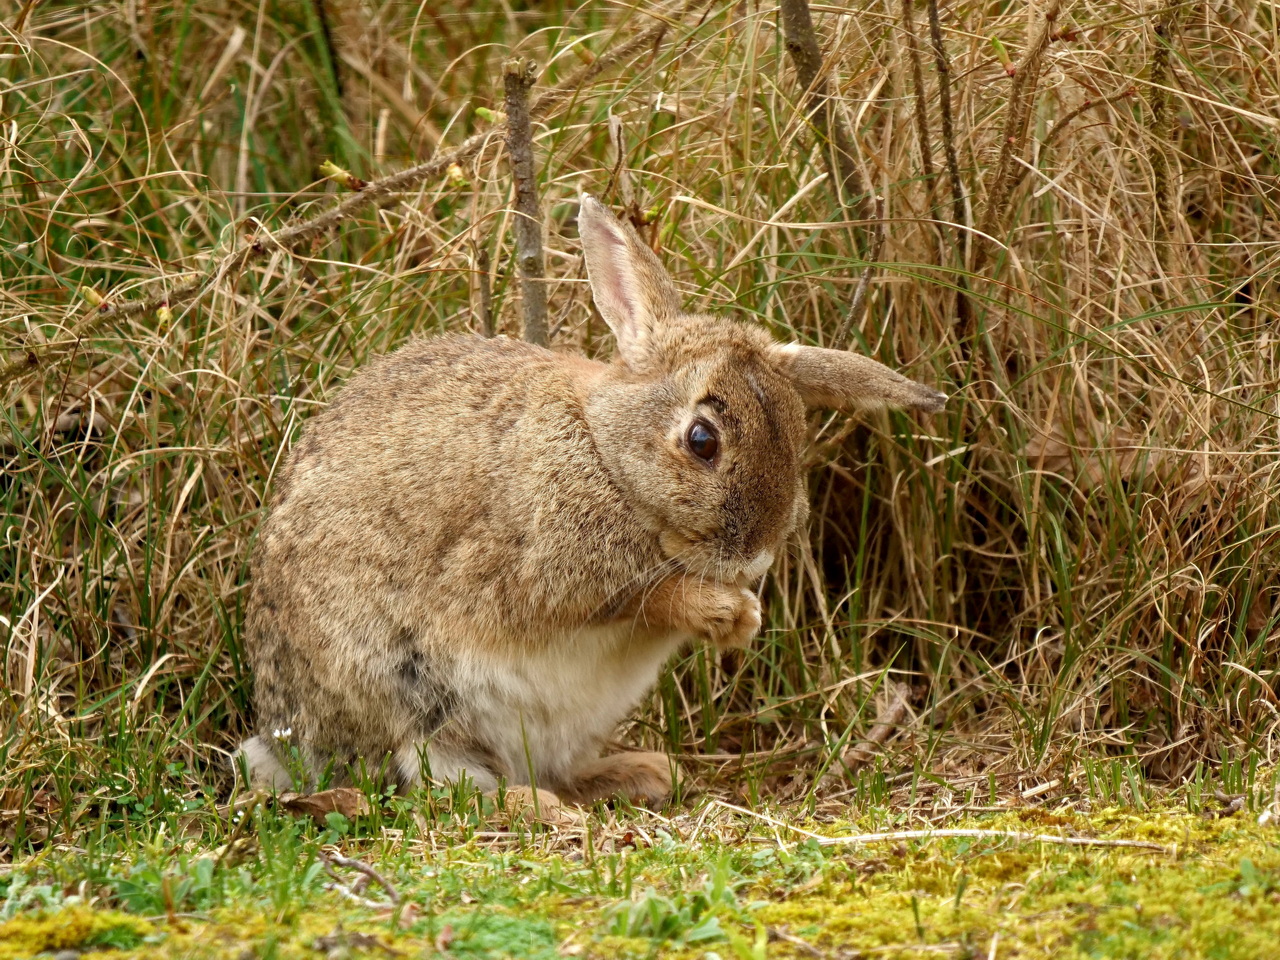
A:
(1215, 892)
(1218, 895)
(71, 928)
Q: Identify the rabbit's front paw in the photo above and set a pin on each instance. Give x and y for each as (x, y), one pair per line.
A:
(726, 614)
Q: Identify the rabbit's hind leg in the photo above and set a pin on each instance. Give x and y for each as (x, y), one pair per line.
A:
(642, 778)
(444, 762)
(266, 772)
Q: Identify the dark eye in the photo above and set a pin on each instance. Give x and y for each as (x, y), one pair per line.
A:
(703, 440)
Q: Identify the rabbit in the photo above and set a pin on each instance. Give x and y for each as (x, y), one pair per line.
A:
(479, 557)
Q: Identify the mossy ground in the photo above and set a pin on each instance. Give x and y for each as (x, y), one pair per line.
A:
(706, 882)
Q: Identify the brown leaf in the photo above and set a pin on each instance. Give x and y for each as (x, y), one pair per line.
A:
(348, 801)
(1092, 454)
(525, 805)
(409, 914)
(444, 938)
(230, 854)
(341, 943)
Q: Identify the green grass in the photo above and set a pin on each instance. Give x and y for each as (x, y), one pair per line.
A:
(697, 881)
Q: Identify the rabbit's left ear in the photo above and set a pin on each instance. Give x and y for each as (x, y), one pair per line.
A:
(841, 380)
(631, 288)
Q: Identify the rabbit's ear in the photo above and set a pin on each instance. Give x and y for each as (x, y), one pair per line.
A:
(631, 288)
(847, 381)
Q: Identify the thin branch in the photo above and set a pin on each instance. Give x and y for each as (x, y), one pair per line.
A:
(1166, 30)
(841, 341)
(328, 49)
(518, 79)
(292, 235)
(896, 836)
(964, 312)
(1026, 78)
(837, 147)
(921, 104)
(1065, 121)
(332, 859)
(484, 282)
(948, 129)
(888, 719)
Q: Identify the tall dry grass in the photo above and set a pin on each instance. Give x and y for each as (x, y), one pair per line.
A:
(1079, 558)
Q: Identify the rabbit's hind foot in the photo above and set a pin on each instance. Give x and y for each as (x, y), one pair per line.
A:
(642, 778)
(266, 772)
(443, 765)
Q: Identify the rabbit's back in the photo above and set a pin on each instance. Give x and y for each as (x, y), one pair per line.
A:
(449, 506)
(456, 469)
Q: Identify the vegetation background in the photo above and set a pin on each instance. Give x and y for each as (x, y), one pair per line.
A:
(1066, 217)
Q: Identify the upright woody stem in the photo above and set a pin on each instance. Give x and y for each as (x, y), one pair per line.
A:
(518, 78)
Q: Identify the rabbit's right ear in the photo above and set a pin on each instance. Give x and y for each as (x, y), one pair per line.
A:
(841, 380)
(631, 288)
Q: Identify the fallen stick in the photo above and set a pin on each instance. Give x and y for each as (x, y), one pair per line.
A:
(977, 834)
(332, 859)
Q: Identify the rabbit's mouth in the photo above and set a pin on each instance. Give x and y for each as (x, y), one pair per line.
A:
(758, 566)
(708, 558)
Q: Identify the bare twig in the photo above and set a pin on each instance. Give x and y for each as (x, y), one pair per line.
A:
(618, 175)
(328, 49)
(1066, 120)
(518, 79)
(333, 859)
(948, 129)
(806, 57)
(1166, 30)
(804, 946)
(888, 719)
(341, 942)
(896, 836)
(841, 341)
(484, 291)
(921, 103)
(1026, 79)
(231, 263)
(964, 313)
(245, 812)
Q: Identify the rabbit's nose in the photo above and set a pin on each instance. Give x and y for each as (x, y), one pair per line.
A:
(758, 566)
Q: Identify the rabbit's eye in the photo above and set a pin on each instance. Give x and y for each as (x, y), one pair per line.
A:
(703, 440)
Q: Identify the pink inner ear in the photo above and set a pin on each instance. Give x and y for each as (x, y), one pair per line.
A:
(614, 286)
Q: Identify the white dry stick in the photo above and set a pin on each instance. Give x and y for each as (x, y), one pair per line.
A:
(896, 836)
(331, 859)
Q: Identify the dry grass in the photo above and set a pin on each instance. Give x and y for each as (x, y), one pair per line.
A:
(1079, 558)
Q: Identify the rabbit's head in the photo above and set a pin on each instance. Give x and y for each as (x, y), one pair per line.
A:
(701, 422)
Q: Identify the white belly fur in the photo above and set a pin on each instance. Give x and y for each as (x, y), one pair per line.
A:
(552, 710)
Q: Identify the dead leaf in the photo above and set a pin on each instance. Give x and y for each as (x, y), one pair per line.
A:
(340, 943)
(348, 801)
(80, 422)
(527, 805)
(444, 938)
(229, 854)
(1092, 454)
(409, 914)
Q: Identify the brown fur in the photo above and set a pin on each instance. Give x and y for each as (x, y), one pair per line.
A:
(479, 536)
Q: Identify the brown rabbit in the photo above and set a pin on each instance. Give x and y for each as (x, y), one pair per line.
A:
(482, 553)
